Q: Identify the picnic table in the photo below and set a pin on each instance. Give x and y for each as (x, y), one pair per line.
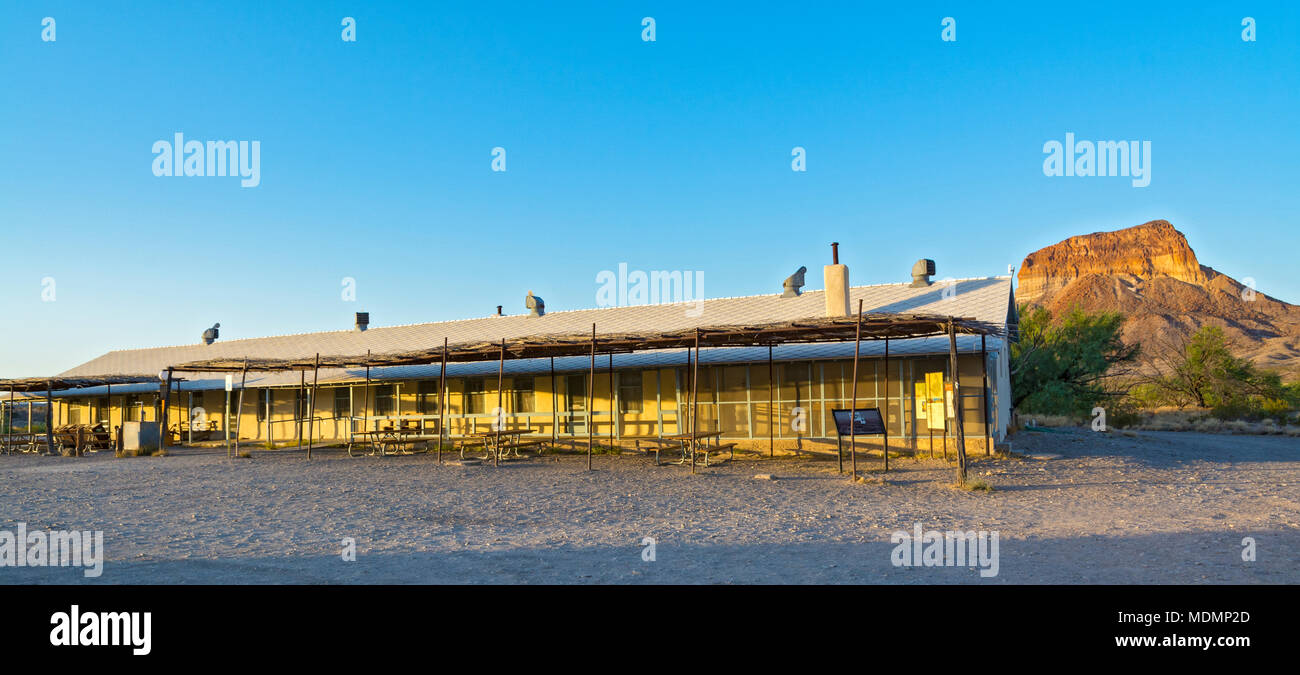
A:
(22, 442)
(389, 441)
(500, 444)
(692, 445)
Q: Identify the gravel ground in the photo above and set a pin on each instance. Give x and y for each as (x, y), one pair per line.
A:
(1151, 507)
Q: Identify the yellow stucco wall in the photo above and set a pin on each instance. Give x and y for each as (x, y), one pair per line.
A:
(733, 398)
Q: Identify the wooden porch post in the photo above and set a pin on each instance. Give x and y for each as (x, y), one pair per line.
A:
(771, 406)
(442, 399)
(239, 405)
(311, 405)
(591, 386)
(984, 396)
(956, 404)
(853, 428)
(900, 402)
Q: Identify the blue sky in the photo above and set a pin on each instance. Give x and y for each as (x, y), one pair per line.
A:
(665, 155)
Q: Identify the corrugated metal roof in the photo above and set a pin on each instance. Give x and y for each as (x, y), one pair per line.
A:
(985, 299)
(935, 346)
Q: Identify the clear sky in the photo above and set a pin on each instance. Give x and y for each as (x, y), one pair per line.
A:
(674, 154)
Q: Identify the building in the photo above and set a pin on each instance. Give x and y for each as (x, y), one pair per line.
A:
(635, 395)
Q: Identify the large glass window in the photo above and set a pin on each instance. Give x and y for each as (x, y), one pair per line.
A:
(629, 392)
(475, 396)
(343, 401)
(426, 397)
(302, 397)
(522, 395)
(384, 400)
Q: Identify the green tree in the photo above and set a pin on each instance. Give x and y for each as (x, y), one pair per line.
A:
(1060, 366)
(1205, 373)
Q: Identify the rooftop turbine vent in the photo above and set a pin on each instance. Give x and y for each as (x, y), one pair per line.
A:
(535, 304)
(363, 320)
(793, 283)
(921, 273)
(210, 335)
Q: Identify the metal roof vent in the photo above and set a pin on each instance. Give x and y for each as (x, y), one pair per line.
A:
(536, 304)
(210, 335)
(793, 283)
(921, 273)
(363, 320)
(499, 311)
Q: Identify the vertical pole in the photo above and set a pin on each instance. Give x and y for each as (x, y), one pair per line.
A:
(297, 405)
(49, 417)
(189, 420)
(591, 386)
(225, 422)
(613, 404)
(900, 403)
(239, 407)
(853, 408)
(311, 405)
(683, 412)
(771, 405)
(555, 408)
(166, 408)
(10, 429)
(270, 428)
(500, 411)
(695, 399)
(365, 403)
(442, 399)
(984, 395)
(956, 404)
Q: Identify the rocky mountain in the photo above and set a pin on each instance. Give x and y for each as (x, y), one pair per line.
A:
(1151, 274)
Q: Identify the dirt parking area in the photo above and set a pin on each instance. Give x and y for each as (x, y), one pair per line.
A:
(1083, 507)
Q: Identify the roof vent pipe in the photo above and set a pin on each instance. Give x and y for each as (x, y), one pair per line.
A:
(837, 284)
(922, 270)
(498, 310)
(363, 320)
(210, 335)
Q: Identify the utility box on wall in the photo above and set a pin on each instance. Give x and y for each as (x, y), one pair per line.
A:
(140, 436)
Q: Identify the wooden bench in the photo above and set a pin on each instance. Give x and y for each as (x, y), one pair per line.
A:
(657, 445)
(706, 449)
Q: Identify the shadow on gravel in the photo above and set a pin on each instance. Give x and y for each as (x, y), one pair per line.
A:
(1175, 558)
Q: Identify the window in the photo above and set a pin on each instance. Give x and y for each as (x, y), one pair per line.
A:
(343, 401)
(384, 400)
(522, 395)
(74, 411)
(475, 396)
(263, 402)
(426, 397)
(629, 392)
